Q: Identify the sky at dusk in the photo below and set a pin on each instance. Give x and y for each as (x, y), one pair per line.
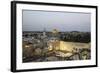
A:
(62, 21)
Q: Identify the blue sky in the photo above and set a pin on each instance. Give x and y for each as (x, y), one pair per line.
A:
(62, 21)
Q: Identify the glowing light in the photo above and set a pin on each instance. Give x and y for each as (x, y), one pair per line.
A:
(50, 47)
(26, 46)
(65, 46)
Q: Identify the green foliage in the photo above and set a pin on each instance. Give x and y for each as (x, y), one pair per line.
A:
(83, 37)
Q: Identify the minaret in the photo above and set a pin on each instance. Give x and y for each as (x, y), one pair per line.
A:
(44, 32)
(44, 38)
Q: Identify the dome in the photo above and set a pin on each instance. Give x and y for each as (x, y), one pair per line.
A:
(55, 31)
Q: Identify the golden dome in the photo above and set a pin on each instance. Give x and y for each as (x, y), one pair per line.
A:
(55, 31)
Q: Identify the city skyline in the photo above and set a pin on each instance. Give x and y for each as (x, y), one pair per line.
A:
(62, 21)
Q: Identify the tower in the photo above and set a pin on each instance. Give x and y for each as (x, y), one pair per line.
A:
(44, 33)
